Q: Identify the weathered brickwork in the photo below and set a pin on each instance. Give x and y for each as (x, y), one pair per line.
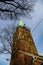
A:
(22, 40)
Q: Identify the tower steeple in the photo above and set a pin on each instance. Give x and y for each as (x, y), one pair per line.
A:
(22, 41)
(21, 23)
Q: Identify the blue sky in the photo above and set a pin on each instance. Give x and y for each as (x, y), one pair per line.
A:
(36, 15)
(3, 58)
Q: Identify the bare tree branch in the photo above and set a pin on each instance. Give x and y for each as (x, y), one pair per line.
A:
(18, 7)
(5, 0)
(6, 39)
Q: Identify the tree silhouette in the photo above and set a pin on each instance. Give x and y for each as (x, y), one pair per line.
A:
(15, 8)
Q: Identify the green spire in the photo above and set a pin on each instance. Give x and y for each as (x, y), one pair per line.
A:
(21, 23)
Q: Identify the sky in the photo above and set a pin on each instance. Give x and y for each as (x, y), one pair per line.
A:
(36, 17)
(3, 59)
(37, 34)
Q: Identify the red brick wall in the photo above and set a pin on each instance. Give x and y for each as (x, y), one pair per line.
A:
(22, 40)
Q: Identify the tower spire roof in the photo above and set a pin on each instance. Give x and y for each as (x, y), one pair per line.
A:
(21, 23)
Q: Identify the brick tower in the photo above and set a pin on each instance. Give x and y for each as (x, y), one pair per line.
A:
(23, 41)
